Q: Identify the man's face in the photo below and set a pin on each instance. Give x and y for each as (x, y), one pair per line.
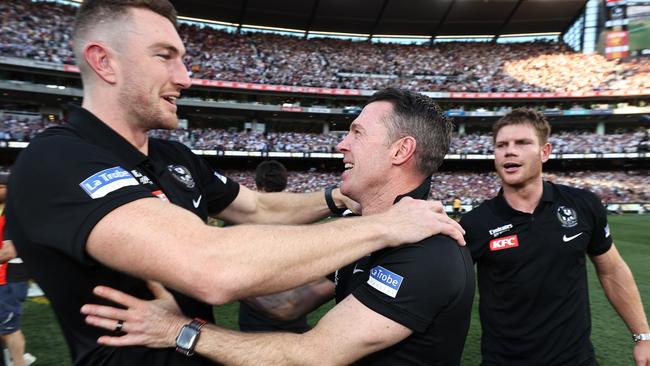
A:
(152, 72)
(518, 155)
(367, 153)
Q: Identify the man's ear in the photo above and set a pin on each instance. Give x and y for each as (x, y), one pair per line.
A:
(404, 150)
(546, 152)
(99, 59)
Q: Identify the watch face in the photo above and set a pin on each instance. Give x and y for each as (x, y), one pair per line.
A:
(186, 338)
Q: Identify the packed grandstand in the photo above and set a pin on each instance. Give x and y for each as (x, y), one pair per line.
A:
(36, 35)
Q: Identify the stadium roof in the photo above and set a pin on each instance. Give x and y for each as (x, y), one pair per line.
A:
(393, 17)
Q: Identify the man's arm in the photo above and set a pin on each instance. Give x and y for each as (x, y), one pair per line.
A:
(621, 291)
(251, 207)
(147, 236)
(347, 333)
(7, 251)
(294, 303)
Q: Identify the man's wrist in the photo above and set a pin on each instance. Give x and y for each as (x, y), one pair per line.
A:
(331, 204)
(641, 337)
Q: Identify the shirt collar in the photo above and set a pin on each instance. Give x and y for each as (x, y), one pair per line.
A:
(420, 193)
(504, 209)
(91, 128)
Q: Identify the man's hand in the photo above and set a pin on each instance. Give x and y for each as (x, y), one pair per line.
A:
(419, 219)
(341, 199)
(154, 323)
(641, 353)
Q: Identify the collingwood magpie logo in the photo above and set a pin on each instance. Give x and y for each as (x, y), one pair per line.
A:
(182, 174)
(567, 216)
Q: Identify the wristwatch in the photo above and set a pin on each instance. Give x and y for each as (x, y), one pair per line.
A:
(188, 336)
(330, 202)
(641, 337)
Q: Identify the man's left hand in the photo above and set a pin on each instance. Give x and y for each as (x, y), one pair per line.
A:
(642, 353)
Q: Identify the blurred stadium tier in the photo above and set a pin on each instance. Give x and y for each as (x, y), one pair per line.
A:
(291, 96)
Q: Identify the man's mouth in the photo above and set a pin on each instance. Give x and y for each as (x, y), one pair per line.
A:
(348, 166)
(511, 167)
(170, 99)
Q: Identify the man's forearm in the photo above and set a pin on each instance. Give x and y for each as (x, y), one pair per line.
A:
(236, 348)
(623, 294)
(293, 208)
(294, 303)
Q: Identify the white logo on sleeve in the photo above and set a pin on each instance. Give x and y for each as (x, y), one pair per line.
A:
(385, 281)
(221, 177)
(607, 231)
(106, 181)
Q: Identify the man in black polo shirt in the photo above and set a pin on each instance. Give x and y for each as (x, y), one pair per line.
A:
(98, 202)
(529, 243)
(405, 306)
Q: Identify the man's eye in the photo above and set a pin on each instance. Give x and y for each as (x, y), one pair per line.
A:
(164, 56)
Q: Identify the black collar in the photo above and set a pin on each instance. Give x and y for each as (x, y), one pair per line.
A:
(91, 128)
(503, 209)
(419, 193)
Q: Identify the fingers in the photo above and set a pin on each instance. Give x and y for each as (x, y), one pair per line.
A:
(102, 311)
(106, 323)
(158, 291)
(116, 296)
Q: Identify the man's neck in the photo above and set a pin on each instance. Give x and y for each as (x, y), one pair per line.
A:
(384, 196)
(524, 198)
(111, 116)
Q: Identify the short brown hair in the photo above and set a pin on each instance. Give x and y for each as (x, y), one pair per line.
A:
(93, 12)
(522, 116)
(418, 116)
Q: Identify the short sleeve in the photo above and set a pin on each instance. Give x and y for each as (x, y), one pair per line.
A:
(601, 238)
(219, 189)
(412, 284)
(60, 188)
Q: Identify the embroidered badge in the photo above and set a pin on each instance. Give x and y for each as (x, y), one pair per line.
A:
(106, 181)
(567, 216)
(385, 281)
(182, 174)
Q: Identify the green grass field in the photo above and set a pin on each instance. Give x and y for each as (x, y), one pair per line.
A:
(610, 337)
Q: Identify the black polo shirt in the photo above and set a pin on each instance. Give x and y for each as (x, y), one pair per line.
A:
(67, 180)
(532, 277)
(427, 287)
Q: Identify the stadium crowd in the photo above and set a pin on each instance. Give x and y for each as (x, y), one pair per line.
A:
(473, 188)
(14, 128)
(41, 31)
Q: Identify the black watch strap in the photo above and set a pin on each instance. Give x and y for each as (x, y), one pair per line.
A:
(330, 202)
(189, 336)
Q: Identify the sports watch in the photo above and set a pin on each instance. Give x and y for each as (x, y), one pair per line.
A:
(641, 337)
(188, 336)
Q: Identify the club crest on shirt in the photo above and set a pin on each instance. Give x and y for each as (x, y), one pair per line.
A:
(182, 174)
(567, 216)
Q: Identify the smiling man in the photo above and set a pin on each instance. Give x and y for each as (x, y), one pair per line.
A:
(530, 243)
(409, 306)
(96, 201)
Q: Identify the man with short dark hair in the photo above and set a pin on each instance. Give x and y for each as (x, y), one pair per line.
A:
(530, 244)
(409, 305)
(97, 201)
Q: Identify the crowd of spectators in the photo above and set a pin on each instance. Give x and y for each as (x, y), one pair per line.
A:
(41, 31)
(473, 188)
(17, 128)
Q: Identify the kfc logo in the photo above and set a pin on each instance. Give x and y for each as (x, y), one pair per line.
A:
(504, 243)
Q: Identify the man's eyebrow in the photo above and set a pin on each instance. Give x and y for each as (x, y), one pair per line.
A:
(356, 125)
(165, 46)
